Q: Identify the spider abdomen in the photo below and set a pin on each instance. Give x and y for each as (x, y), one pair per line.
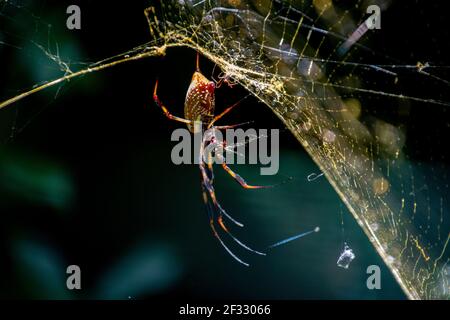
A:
(199, 103)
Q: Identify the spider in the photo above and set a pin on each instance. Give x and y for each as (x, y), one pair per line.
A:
(199, 115)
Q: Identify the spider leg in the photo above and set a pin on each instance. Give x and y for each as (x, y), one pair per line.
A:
(243, 245)
(164, 109)
(244, 184)
(209, 187)
(217, 82)
(209, 193)
(232, 125)
(239, 179)
(211, 223)
(210, 168)
(213, 228)
(225, 112)
(221, 81)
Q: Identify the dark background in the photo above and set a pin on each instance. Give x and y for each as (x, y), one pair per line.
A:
(87, 177)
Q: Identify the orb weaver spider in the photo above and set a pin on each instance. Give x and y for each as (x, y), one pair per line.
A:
(198, 115)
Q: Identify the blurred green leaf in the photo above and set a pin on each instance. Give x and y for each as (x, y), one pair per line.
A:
(36, 180)
(147, 269)
(41, 270)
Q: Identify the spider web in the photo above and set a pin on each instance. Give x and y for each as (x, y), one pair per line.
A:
(289, 55)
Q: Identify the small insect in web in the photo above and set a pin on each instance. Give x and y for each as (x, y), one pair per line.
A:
(199, 115)
(346, 257)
